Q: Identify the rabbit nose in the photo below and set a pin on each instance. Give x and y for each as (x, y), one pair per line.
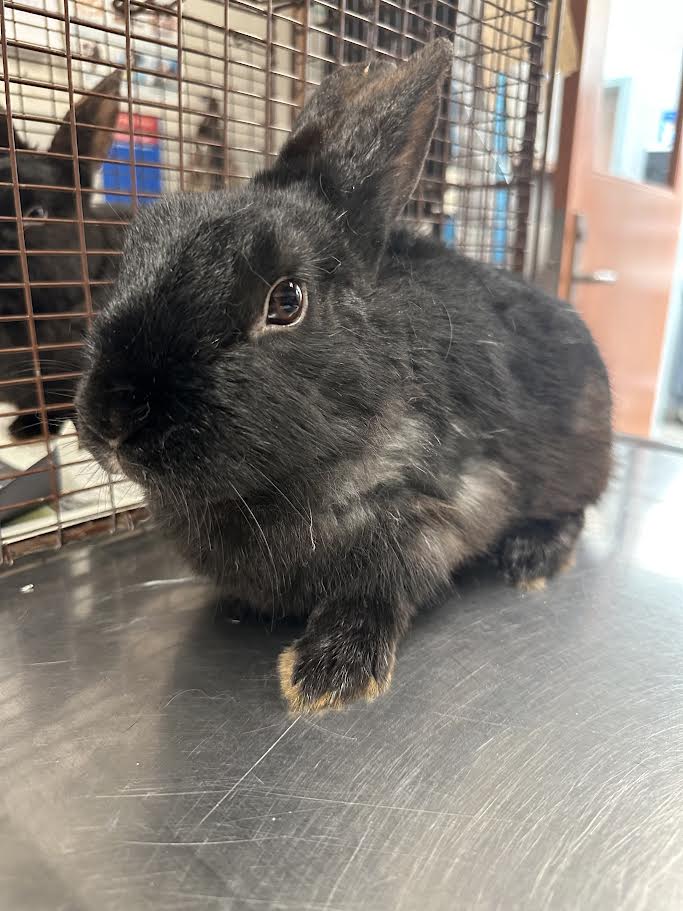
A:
(124, 425)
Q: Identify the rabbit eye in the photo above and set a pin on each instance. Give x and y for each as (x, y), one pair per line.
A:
(286, 303)
(35, 212)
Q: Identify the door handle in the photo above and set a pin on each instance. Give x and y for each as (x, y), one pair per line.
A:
(599, 276)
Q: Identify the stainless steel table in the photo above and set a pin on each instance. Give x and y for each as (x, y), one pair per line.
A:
(528, 756)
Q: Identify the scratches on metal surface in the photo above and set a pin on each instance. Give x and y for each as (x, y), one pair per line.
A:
(528, 756)
(228, 794)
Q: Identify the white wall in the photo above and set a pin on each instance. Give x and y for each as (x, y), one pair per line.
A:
(645, 45)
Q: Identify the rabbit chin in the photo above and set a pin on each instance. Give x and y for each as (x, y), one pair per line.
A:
(110, 460)
(111, 463)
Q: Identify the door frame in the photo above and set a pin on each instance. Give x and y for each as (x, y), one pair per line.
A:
(577, 130)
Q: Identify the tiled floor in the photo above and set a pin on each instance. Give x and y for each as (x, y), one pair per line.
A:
(527, 757)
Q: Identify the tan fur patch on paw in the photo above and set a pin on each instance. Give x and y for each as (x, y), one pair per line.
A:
(569, 563)
(533, 585)
(299, 704)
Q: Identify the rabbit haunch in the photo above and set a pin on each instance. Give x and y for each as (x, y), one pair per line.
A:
(424, 411)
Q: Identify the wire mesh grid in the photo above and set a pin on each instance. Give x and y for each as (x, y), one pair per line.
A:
(111, 103)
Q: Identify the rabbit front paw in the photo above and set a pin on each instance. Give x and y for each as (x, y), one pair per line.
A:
(320, 673)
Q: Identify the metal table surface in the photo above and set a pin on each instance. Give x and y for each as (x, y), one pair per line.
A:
(528, 754)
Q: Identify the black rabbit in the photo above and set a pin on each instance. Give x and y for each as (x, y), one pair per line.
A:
(330, 414)
(47, 169)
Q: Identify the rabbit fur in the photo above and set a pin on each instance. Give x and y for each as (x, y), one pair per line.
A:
(49, 169)
(425, 411)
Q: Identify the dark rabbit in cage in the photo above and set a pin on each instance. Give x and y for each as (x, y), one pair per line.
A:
(43, 214)
(330, 414)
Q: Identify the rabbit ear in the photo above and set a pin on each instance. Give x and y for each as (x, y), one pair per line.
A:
(4, 133)
(92, 114)
(364, 136)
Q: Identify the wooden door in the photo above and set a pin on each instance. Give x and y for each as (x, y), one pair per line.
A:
(624, 188)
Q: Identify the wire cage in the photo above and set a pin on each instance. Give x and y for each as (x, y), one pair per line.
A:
(110, 103)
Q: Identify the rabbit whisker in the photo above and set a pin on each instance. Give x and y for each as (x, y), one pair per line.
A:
(252, 270)
(278, 489)
(274, 581)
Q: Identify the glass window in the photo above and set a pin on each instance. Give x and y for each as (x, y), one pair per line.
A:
(641, 85)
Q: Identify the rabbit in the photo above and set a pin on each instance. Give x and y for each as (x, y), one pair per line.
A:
(330, 415)
(207, 163)
(93, 115)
